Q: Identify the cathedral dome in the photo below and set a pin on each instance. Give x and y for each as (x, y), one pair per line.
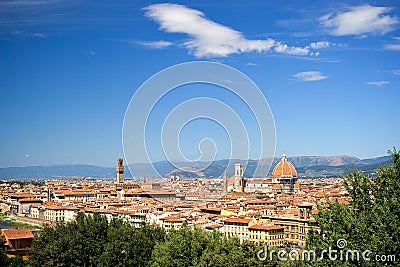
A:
(284, 169)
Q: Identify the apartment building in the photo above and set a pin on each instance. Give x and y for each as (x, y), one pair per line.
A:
(268, 234)
(237, 227)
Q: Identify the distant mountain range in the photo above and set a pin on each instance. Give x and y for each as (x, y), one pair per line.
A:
(307, 166)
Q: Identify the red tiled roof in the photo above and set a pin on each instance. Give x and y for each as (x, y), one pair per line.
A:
(276, 186)
(213, 226)
(284, 169)
(17, 233)
(237, 220)
(265, 227)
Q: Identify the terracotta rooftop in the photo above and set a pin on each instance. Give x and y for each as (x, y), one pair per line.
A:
(213, 226)
(30, 200)
(265, 227)
(284, 169)
(237, 220)
(17, 233)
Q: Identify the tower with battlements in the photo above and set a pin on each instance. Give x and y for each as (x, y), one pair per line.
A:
(120, 171)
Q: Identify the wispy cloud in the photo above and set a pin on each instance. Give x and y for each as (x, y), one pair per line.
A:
(17, 33)
(39, 35)
(27, 155)
(90, 53)
(210, 39)
(22, 3)
(251, 64)
(155, 44)
(310, 76)
(378, 83)
(394, 46)
(360, 20)
(22, 34)
(396, 72)
(320, 44)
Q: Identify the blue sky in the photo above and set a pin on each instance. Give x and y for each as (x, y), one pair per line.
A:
(329, 71)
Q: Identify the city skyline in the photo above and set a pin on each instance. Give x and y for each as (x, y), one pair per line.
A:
(329, 72)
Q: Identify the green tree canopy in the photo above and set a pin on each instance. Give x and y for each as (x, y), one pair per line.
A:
(91, 241)
(371, 221)
(196, 247)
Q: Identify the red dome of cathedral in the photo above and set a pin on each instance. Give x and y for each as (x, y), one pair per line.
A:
(284, 169)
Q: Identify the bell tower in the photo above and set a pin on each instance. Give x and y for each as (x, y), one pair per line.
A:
(238, 170)
(240, 182)
(120, 171)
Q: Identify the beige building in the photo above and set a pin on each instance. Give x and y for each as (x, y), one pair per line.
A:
(271, 235)
(296, 227)
(237, 227)
(54, 214)
(70, 213)
(172, 222)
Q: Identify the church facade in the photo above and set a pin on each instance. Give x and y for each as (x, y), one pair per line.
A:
(284, 180)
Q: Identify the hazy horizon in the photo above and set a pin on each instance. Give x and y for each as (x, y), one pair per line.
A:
(112, 166)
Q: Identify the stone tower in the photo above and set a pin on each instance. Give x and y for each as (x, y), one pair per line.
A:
(241, 184)
(238, 170)
(239, 177)
(120, 171)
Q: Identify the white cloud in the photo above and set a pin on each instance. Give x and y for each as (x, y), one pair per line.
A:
(320, 44)
(155, 44)
(22, 34)
(227, 81)
(394, 46)
(360, 20)
(291, 50)
(396, 72)
(210, 39)
(27, 155)
(39, 35)
(25, 3)
(251, 64)
(90, 53)
(310, 76)
(378, 83)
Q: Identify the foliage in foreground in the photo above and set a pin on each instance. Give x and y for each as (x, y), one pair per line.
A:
(187, 247)
(371, 221)
(91, 241)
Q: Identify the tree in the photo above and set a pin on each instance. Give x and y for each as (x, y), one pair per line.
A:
(78, 243)
(91, 241)
(16, 261)
(196, 247)
(371, 221)
(128, 246)
(3, 256)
